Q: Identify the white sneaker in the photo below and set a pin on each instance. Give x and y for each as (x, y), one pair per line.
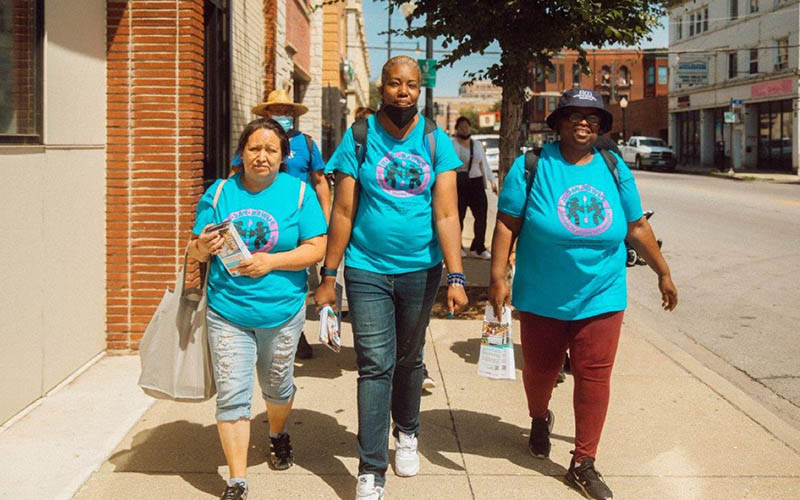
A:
(485, 255)
(366, 489)
(406, 460)
(463, 252)
(428, 383)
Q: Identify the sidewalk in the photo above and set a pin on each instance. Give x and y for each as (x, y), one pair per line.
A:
(674, 430)
(754, 175)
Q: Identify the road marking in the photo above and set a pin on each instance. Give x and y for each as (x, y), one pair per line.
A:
(794, 203)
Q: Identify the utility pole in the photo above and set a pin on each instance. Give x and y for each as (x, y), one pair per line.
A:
(429, 90)
(389, 33)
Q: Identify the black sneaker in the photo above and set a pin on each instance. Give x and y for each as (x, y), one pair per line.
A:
(304, 350)
(280, 452)
(587, 480)
(235, 492)
(539, 442)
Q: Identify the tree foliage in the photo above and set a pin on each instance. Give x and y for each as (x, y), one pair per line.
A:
(529, 32)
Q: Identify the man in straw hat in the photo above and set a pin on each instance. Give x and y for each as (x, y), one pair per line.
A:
(304, 162)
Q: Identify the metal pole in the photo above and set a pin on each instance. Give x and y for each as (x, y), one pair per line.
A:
(389, 33)
(624, 134)
(429, 90)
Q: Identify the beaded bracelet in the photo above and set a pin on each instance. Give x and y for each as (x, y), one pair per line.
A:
(456, 279)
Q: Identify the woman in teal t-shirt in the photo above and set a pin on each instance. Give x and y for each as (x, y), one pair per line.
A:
(255, 318)
(569, 282)
(395, 211)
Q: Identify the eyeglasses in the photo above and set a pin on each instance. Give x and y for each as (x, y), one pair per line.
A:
(576, 117)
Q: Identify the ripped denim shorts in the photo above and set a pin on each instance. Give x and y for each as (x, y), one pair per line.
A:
(235, 350)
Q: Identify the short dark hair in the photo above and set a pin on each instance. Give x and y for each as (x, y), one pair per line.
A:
(463, 119)
(252, 127)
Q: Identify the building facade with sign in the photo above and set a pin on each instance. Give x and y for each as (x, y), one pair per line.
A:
(733, 92)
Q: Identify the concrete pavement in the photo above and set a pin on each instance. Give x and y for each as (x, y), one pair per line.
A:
(674, 430)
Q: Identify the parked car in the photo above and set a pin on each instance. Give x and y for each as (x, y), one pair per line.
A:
(646, 152)
(491, 145)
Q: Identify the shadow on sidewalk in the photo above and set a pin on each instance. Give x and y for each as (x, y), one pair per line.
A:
(483, 435)
(326, 363)
(193, 451)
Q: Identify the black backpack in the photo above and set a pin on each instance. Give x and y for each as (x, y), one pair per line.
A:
(361, 127)
(532, 164)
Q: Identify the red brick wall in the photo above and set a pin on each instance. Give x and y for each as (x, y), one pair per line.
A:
(646, 116)
(23, 92)
(155, 154)
(270, 37)
(298, 33)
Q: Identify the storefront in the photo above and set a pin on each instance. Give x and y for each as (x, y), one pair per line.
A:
(775, 135)
(688, 124)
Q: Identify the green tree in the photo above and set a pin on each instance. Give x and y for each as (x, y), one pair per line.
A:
(374, 95)
(530, 33)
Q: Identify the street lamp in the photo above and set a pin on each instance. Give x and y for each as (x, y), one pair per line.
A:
(623, 103)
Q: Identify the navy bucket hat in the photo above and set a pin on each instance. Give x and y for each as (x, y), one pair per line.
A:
(582, 98)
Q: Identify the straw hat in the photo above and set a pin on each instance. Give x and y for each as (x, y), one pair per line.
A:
(278, 97)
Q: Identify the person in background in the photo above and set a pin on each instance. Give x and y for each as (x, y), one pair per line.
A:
(255, 319)
(474, 177)
(396, 214)
(304, 162)
(569, 284)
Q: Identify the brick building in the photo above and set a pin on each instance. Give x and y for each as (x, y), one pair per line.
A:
(345, 70)
(108, 136)
(478, 96)
(639, 76)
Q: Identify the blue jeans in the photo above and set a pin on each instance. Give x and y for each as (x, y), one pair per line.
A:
(390, 314)
(235, 350)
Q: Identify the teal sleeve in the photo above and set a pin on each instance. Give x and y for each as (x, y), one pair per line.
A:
(512, 196)
(446, 156)
(628, 192)
(344, 158)
(316, 158)
(312, 220)
(205, 209)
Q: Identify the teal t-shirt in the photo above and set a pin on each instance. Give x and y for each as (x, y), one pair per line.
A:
(394, 229)
(268, 221)
(570, 254)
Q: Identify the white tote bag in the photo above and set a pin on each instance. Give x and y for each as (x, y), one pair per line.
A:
(174, 352)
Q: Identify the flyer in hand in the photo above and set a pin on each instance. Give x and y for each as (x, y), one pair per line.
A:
(329, 326)
(234, 249)
(497, 346)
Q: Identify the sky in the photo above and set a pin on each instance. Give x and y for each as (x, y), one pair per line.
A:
(447, 78)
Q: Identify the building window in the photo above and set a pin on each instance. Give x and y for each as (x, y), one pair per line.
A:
(753, 6)
(732, 65)
(576, 74)
(734, 10)
(551, 104)
(662, 75)
(605, 76)
(561, 73)
(691, 25)
(540, 104)
(21, 36)
(782, 54)
(551, 74)
(623, 76)
(705, 19)
(651, 75)
(698, 26)
(679, 28)
(753, 61)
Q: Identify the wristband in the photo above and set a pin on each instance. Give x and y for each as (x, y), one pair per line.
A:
(324, 271)
(457, 279)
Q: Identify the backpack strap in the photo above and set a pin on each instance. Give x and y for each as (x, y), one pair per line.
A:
(302, 192)
(531, 165)
(430, 138)
(310, 144)
(360, 128)
(611, 163)
(219, 192)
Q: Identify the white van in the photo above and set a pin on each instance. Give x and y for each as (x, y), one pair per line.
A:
(491, 145)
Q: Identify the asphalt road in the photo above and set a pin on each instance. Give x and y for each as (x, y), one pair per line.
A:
(734, 251)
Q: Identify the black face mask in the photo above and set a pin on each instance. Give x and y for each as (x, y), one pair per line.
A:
(463, 136)
(400, 116)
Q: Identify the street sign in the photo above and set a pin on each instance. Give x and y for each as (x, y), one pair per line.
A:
(428, 69)
(730, 117)
(693, 71)
(736, 103)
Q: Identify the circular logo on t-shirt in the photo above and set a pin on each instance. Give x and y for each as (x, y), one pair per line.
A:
(258, 228)
(403, 174)
(584, 210)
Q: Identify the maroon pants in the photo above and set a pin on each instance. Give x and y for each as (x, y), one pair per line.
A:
(592, 346)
